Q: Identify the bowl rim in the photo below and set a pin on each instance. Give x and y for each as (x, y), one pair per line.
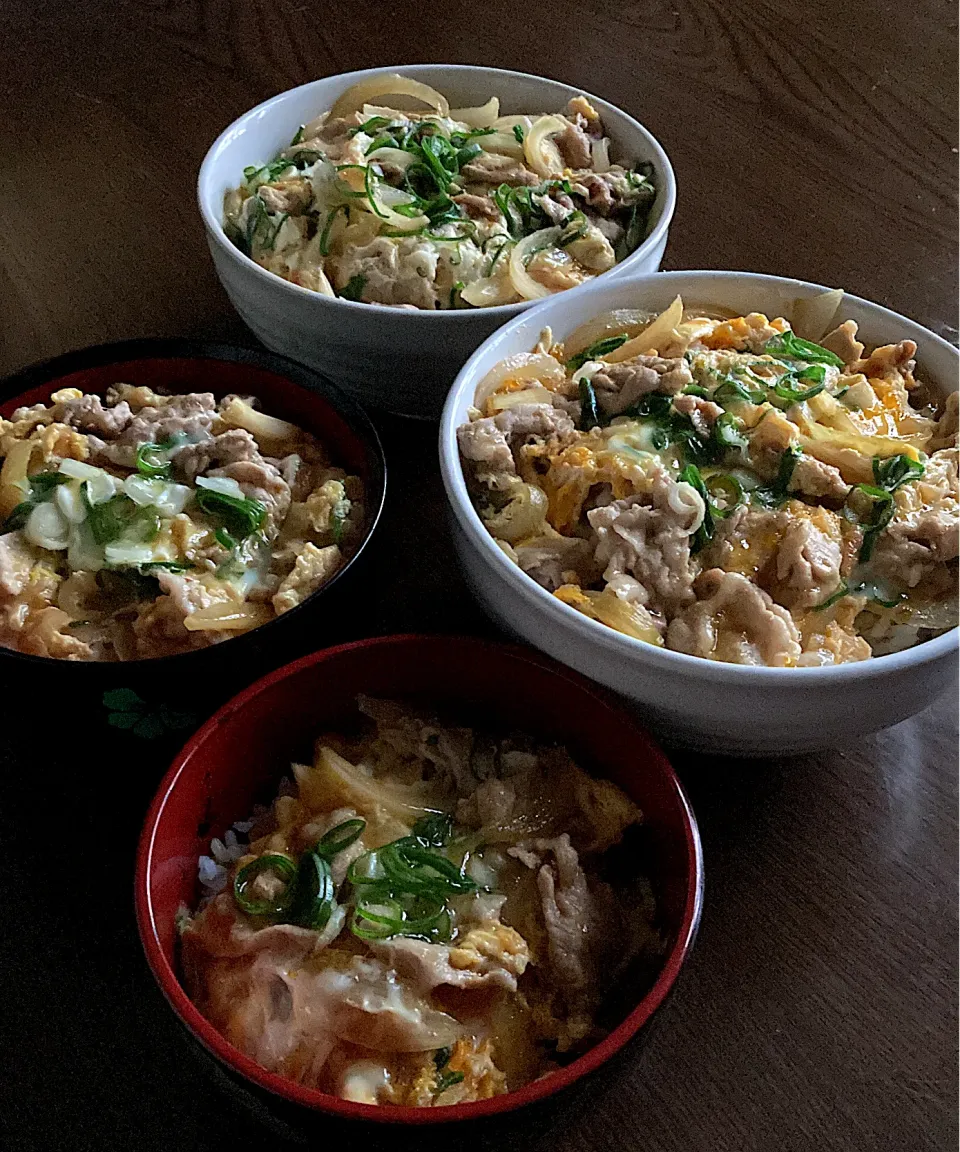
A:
(214, 224)
(308, 380)
(618, 645)
(208, 1036)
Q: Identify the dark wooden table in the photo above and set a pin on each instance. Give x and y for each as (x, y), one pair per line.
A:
(814, 139)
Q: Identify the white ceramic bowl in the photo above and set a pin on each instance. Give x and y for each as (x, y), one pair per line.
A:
(701, 703)
(395, 358)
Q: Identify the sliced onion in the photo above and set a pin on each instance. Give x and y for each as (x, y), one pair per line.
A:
(70, 502)
(77, 470)
(523, 516)
(489, 291)
(128, 555)
(522, 366)
(384, 195)
(228, 616)
(540, 152)
(503, 143)
(660, 333)
(47, 527)
(394, 156)
(524, 396)
(376, 87)
(600, 154)
(261, 426)
(629, 321)
(524, 283)
(84, 553)
(170, 499)
(480, 117)
(812, 318)
(225, 485)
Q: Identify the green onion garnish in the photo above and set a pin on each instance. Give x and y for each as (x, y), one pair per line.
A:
(340, 837)
(893, 471)
(42, 485)
(152, 462)
(518, 133)
(282, 867)
(770, 495)
(353, 289)
(790, 345)
(600, 348)
(589, 411)
(882, 509)
(241, 516)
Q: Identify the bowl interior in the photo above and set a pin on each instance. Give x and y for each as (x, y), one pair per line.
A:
(938, 364)
(259, 134)
(237, 759)
(284, 389)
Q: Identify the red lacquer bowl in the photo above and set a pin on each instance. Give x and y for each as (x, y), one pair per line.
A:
(239, 755)
(285, 389)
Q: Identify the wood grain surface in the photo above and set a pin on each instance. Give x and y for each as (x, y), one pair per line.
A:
(816, 138)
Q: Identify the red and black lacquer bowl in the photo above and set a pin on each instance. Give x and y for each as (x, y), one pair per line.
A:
(238, 757)
(190, 682)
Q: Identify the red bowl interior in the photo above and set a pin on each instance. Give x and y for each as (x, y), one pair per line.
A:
(238, 757)
(284, 388)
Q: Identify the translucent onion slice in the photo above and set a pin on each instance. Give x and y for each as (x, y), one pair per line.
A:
(384, 198)
(70, 502)
(376, 87)
(504, 141)
(524, 396)
(394, 156)
(225, 485)
(539, 150)
(262, 427)
(47, 527)
(480, 117)
(657, 336)
(630, 321)
(521, 279)
(522, 366)
(490, 291)
(813, 318)
(600, 154)
(523, 516)
(228, 616)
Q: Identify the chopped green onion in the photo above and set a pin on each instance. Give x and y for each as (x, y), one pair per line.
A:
(353, 289)
(434, 830)
(595, 351)
(282, 867)
(727, 432)
(340, 837)
(518, 133)
(770, 495)
(589, 412)
(224, 539)
(312, 892)
(151, 461)
(297, 136)
(790, 345)
(882, 509)
(893, 471)
(368, 127)
(41, 484)
(241, 516)
(120, 516)
(323, 243)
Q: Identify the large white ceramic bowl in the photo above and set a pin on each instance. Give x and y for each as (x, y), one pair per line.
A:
(701, 703)
(395, 358)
